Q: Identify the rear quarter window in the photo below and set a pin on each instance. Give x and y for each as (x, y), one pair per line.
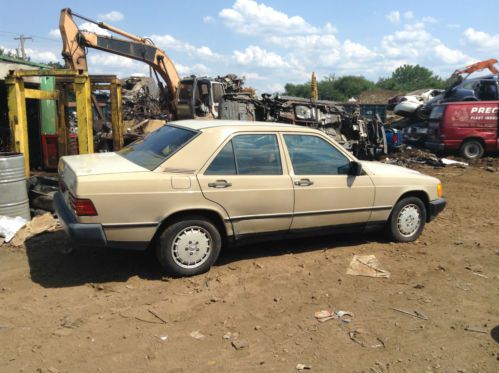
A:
(158, 146)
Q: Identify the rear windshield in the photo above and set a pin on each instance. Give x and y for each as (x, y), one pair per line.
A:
(153, 150)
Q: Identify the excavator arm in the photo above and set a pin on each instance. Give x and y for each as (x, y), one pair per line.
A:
(479, 66)
(135, 47)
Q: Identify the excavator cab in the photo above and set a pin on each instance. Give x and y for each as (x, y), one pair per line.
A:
(198, 98)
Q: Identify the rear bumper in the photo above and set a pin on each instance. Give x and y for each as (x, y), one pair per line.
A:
(435, 146)
(436, 207)
(82, 233)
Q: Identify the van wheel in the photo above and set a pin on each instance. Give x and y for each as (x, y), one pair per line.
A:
(189, 246)
(407, 220)
(471, 149)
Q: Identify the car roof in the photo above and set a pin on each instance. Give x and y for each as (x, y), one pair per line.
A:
(483, 77)
(238, 125)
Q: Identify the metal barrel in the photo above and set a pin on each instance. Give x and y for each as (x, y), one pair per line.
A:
(13, 189)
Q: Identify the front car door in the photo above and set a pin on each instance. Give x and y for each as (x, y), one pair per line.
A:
(325, 195)
(248, 178)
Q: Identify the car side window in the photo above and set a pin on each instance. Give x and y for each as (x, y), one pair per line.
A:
(311, 155)
(257, 155)
(224, 163)
(248, 155)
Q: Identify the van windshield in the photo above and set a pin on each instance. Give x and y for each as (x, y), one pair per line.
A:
(157, 147)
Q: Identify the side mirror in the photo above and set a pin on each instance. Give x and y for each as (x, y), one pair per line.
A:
(355, 168)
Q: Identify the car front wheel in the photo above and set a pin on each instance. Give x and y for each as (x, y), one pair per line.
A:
(407, 219)
(189, 247)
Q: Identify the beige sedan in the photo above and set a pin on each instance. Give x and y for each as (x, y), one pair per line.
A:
(191, 187)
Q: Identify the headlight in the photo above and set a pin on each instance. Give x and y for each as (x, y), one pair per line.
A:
(439, 190)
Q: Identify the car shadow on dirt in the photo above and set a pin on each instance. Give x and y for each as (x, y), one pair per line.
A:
(54, 262)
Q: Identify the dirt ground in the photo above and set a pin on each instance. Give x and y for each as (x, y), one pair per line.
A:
(101, 310)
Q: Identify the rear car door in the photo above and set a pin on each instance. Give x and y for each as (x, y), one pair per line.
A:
(249, 180)
(325, 195)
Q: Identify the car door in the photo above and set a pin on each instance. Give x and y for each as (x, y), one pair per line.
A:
(249, 180)
(325, 195)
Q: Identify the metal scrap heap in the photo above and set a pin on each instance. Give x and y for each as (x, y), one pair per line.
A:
(364, 137)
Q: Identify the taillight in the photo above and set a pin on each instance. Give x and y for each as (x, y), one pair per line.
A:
(395, 138)
(83, 206)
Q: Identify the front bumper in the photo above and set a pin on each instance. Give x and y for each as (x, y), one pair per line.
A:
(435, 208)
(435, 146)
(82, 233)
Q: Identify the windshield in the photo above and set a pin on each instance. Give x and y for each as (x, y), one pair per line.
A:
(185, 91)
(154, 149)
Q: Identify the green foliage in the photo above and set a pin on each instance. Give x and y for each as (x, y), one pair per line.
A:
(405, 78)
(7, 53)
(56, 65)
(332, 88)
(410, 78)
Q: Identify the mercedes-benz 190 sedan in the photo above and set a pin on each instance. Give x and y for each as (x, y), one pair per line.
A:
(191, 187)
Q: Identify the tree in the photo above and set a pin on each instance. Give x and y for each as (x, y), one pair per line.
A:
(351, 86)
(298, 90)
(8, 53)
(332, 88)
(56, 65)
(411, 77)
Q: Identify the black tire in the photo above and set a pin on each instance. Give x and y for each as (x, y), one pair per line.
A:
(472, 149)
(403, 225)
(184, 239)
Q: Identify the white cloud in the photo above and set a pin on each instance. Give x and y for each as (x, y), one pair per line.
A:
(417, 45)
(274, 88)
(450, 56)
(196, 69)
(41, 55)
(393, 17)
(106, 63)
(429, 19)
(304, 41)
(110, 60)
(55, 33)
(409, 15)
(209, 19)
(112, 16)
(482, 41)
(168, 42)
(251, 18)
(329, 28)
(92, 27)
(253, 76)
(254, 55)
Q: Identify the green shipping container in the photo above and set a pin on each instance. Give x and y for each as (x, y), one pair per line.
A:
(48, 108)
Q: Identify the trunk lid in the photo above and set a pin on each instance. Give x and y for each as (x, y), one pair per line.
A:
(100, 163)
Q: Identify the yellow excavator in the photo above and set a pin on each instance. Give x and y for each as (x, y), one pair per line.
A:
(189, 98)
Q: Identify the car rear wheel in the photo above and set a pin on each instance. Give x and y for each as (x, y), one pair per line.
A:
(189, 247)
(471, 149)
(407, 219)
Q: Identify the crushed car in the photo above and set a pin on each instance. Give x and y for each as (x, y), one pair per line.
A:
(364, 137)
(411, 104)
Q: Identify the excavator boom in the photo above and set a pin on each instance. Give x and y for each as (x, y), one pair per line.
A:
(136, 47)
(487, 64)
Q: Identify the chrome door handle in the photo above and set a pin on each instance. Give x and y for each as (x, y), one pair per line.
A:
(220, 184)
(304, 182)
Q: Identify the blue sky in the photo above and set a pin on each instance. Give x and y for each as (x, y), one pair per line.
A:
(272, 42)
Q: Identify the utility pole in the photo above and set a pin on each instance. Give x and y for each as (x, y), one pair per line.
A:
(21, 39)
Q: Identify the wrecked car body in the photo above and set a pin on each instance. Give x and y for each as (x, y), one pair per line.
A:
(410, 105)
(365, 138)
